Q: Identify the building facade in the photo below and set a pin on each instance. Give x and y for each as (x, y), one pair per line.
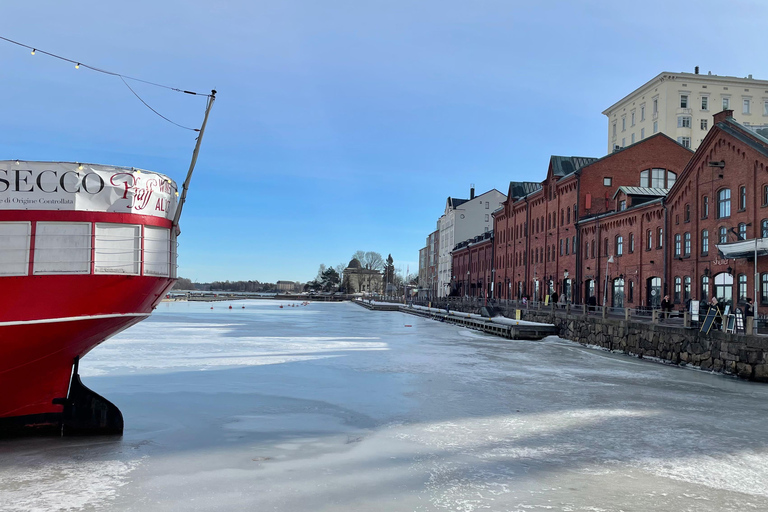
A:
(462, 219)
(537, 236)
(681, 106)
(650, 220)
(361, 280)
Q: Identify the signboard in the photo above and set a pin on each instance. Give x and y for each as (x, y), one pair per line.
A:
(69, 186)
(739, 321)
(730, 324)
(694, 311)
(706, 325)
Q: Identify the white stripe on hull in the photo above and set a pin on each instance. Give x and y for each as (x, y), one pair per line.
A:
(69, 319)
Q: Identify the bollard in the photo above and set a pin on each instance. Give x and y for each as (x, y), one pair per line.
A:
(749, 326)
(605, 312)
(584, 309)
(626, 314)
(686, 319)
(655, 316)
(568, 309)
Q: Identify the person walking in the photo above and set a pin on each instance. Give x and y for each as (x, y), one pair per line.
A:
(748, 308)
(666, 307)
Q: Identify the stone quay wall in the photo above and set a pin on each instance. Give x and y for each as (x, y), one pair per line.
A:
(741, 355)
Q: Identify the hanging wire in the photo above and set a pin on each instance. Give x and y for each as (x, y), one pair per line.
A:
(122, 77)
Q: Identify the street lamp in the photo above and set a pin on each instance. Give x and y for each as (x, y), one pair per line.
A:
(605, 295)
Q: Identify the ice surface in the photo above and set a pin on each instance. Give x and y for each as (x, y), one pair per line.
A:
(331, 407)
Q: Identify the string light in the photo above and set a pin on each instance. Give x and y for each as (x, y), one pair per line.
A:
(122, 77)
(79, 167)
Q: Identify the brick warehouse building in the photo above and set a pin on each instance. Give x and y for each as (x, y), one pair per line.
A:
(654, 207)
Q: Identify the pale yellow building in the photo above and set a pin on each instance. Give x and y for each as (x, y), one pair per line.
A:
(681, 105)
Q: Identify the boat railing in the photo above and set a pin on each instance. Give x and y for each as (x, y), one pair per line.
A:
(150, 251)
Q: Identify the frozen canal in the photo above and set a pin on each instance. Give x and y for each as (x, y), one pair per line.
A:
(331, 407)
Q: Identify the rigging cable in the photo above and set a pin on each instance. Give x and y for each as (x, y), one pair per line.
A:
(122, 77)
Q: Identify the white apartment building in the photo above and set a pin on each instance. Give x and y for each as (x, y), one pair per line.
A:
(463, 219)
(681, 106)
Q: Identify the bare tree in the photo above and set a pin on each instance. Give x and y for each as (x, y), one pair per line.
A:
(359, 256)
(373, 261)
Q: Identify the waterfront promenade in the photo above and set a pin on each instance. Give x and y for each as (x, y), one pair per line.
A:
(331, 407)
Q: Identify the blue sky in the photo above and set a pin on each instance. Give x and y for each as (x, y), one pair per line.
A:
(343, 125)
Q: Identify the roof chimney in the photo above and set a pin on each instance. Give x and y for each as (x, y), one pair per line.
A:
(472, 191)
(696, 70)
(722, 116)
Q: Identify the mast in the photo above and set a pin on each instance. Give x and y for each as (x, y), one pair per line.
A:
(185, 187)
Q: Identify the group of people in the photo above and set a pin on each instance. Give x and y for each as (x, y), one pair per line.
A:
(666, 307)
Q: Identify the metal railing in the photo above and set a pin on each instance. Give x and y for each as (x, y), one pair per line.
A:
(73, 254)
(675, 318)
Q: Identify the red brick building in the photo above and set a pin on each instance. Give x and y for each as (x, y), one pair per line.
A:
(538, 242)
(633, 226)
(473, 267)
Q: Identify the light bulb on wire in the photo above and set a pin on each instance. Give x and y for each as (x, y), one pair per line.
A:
(33, 51)
(77, 66)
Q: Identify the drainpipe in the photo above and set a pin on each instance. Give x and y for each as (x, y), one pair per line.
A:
(666, 245)
(599, 242)
(527, 242)
(577, 294)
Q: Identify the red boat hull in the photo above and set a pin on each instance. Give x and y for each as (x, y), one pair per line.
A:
(63, 317)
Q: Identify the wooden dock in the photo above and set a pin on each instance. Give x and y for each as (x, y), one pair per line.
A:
(522, 331)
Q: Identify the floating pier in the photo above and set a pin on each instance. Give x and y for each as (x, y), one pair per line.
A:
(499, 326)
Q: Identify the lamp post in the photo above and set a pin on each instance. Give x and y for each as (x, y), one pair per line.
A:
(605, 295)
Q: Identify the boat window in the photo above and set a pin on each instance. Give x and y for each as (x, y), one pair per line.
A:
(14, 248)
(62, 248)
(117, 249)
(157, 251)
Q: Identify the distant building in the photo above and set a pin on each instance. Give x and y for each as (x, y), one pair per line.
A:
(361, 280)
(681, 105)
(461, 220)
(286, 286)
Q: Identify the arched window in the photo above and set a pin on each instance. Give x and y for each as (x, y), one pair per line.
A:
(659, 238)
(687, 216)
(724, 287)
(678, 289)
(704, 241)
(671, 178)
(764, 228)
(742, 231)
(687, 244)
(618, 293)
(605, 246)
(723, 203)
(686, 288)
(742, 198)
(568, 221)
(677, 245)
(644, 178)
(619, 245)
(764, 289)
(648, 240)
(704, 288)
(723, 235)
(562, 216)
(704, 207)
(575, 214)
(586, 249)
(594, 247)
(742, 280)
(631, 243)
